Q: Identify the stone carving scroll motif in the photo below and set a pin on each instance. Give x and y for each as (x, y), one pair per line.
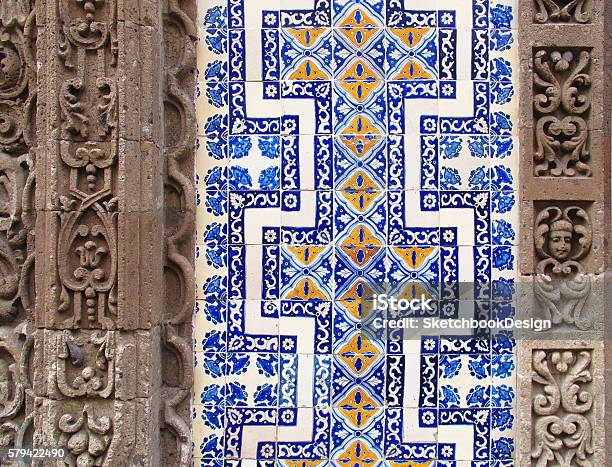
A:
(563, 237)
(179, 42)
(567, 11)
(86, 436)
(562, 407)
(15, 352)
(95, 379)
(17, 156)
(87, 241)
(81, 197)
(562, 102)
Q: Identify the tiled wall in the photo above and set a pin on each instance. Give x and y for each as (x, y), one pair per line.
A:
(344, 147)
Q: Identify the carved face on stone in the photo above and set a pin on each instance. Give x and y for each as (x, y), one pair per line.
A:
(562, 237)
(560, 240)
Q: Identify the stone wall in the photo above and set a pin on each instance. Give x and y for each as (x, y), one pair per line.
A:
(565, 194)
(97, 134)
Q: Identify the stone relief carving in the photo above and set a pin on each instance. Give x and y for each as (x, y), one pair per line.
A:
(562, 407)
(17, 156)
(568, 11)
(562, 101)
(563, 237)
(180, 35)
(85, 436)
(15, 350)
(95, 379)
(87, 240)
(88, 401)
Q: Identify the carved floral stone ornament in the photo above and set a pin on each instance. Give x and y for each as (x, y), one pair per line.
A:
(17, 134)
(562, 102)
(15, 63)
(552, 11)
(562, 407)
(12, 392)
(91, 379)
(562, 239)
(15, 349)
(86, 437)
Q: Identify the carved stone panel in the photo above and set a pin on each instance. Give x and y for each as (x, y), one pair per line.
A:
(100, 186)
(15, 385)
(563, 237)
(105, 433)
(563, 11)
(17, 157)
(97, 364)
(179, 204)
(562, 103)
(563, 404)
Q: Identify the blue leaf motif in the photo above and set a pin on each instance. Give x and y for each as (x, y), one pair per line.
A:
(480, 366)
(210, 447)
(450, 146)
(478, 147)
(236, 394)
(267, 365)
(502, 419)
(213, 416)
(479, 179)
(213, 341)
(213, 394)
(240, 146)
(502, 395)
(238, 364)
(265, 395)
(450, 397)
(269, 178)
(478, 397)
(239, 178)
(503, 258)
(501, 16)
(450, 179)
(450, 365)
(503, 202)
(269, 146)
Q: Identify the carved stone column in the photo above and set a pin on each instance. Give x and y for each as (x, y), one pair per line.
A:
(111, 324)
(18, 98)
(179, 37)
(99, 247)
(565, 196)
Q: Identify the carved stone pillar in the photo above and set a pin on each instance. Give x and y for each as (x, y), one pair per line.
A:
(18, 98)
(99, 283)
(96, 163)
(565, 196)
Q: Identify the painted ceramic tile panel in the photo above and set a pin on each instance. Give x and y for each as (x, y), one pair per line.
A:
(345, 145)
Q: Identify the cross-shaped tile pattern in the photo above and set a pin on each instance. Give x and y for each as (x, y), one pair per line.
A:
(349, 147)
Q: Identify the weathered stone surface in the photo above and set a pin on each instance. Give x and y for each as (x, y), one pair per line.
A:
(579, 315)
(562, 102)
(551, 11)
(18, 36)
(565, 169)
(92, 357)
(108, 433)
(179, 34)
(561, 403)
